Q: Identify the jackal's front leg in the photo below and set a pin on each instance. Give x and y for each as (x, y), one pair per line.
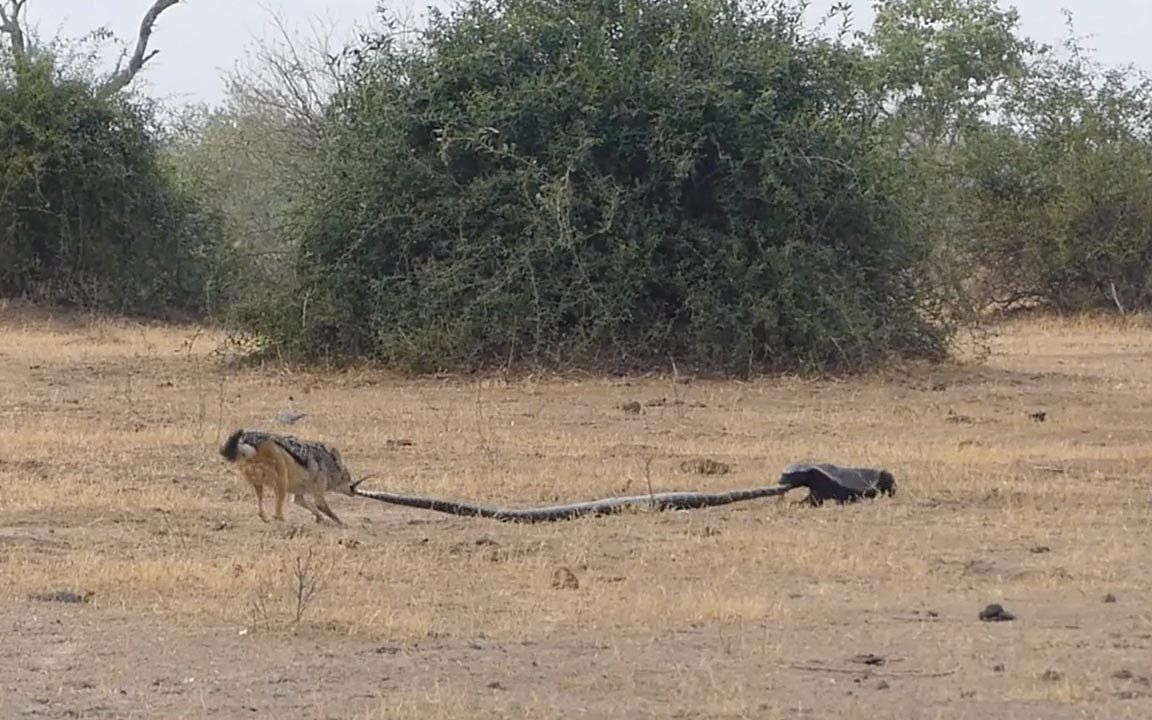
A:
(260, 501)
(303, 502)
(321, 503)
(283, 475)
(281, 495)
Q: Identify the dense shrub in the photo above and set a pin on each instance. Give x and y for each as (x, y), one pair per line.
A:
(607, 184)
(88, 214)
(1061, 188)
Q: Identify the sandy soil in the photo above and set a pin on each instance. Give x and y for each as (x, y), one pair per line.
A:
(113, 489)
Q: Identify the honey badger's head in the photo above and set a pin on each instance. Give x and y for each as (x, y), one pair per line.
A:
(886, 484)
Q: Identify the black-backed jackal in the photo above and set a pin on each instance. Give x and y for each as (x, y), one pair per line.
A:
(287, 465)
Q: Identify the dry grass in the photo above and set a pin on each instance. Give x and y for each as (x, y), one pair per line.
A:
(112, 484)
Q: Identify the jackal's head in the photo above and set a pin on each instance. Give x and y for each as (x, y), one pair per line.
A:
(339, 479)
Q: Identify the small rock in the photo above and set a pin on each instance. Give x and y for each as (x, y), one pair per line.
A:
(1123, 675)
(996, 613)
(564, 579)
(1038, 416)
(495, 685)
(882, 685)
(289, 417)
(998, 667)
(1052, 675)
(1040, 549)
(1109, 598)
(868, 659)
(632, 408)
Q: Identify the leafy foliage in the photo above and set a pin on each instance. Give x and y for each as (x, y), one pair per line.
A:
(608, 184)
(1033, 166)
(88, 214)
(1062, 187)
(939, 66)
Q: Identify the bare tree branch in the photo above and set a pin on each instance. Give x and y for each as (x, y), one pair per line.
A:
(291, 76)
(120, 79)
(10, 25)
(119, 62)
(1116, 297)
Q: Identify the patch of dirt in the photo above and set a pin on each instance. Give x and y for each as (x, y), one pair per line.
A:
(190, 606)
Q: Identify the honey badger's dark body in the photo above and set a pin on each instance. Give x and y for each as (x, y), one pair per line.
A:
(841, 484)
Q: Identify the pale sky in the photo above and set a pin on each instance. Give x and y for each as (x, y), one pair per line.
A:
(198, 39)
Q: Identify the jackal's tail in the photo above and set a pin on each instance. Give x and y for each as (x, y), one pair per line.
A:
(230, 450)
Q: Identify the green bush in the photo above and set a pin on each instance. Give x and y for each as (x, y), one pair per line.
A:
(88, 213)
(1061, 188)
(607, 185)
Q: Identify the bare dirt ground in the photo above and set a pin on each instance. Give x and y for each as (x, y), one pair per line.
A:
(112, 486)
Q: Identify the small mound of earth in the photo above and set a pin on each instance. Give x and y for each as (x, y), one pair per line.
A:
(705, 466)
(996, 613)
(63, 596)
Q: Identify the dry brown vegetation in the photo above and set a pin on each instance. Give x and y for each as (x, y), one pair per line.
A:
(112, 486)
